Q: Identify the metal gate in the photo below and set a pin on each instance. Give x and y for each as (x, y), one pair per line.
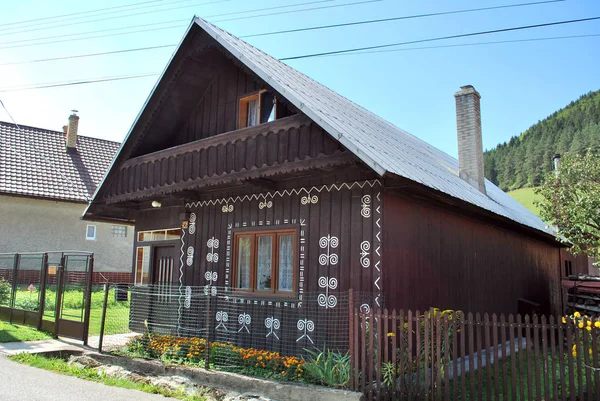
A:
(50, 291)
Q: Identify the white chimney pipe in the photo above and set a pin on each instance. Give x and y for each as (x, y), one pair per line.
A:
(71, 136)
(470, 144)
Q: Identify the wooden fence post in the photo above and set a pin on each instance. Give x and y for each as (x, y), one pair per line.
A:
(103, 320)
(88, 299)
(351, 337)
(14, 285)
(43, 278)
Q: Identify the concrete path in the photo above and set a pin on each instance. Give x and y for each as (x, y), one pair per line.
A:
(21, 382)
(35, 347)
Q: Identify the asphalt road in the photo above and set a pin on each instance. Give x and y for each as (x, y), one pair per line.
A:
(21, 382)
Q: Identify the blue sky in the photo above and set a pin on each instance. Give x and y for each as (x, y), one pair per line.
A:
(520, 83)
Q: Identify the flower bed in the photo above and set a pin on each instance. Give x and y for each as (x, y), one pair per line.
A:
(192, 350)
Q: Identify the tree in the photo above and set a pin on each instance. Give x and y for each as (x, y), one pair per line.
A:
(570, 201)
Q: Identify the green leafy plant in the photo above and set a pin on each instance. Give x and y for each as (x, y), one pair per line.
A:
(328, 367)
(4, 291)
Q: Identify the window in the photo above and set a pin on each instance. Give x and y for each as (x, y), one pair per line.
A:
(142, 265)
(265, 261)
(159, 235)
(257, 109)
(119, 231)
(90, 233)
(568, 268)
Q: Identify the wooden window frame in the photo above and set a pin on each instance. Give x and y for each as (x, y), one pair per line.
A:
(243, 109)
(275, 234)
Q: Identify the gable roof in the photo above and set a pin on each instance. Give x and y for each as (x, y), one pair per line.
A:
(377, 142)
(381, 145)
(34, 162)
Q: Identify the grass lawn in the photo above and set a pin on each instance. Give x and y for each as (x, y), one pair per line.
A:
(525, 197)
(14, 332)
(61, 366)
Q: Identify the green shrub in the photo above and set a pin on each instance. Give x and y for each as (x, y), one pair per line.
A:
(328, 367)
(4, 291)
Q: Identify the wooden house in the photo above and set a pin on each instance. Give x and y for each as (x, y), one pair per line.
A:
(241, 172)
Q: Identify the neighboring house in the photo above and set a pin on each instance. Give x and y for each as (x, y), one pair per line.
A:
(244, 173)
(46, 181)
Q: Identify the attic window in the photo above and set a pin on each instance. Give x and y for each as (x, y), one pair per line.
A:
(257, 109)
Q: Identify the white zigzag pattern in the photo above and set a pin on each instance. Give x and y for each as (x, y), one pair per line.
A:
(180, 281)
(288, 192)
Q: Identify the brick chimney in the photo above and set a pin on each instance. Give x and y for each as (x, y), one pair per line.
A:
(470, 145)
(71, 131)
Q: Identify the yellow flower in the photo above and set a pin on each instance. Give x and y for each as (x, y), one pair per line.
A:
(589, 323)
(580, 325)
(589, 328)
(597, 325)
(391, 334)
(577, 314)
(574, 347)
(574, 353)
(564, 320)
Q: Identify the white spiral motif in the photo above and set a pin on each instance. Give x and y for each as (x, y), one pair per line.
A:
(314, 199)
(334, 242)
(323, 242)
(192, 218)
(365, 308)
(190, 261)
(212, 243)
(208, 289)
(323, 259)
(192, 228)
(328, 301)
(190, 251)
(222, 316)
(211, 276)
(305, 324)
(227, 208)
(322, 282)
(305, 200)
(365, 262)
(244, 318)
(333, 283)
(333, 259)
(212, 257)
(365, 210)
(365, 246)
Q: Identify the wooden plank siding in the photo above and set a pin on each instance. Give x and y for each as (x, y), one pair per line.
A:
(289, 144)
(435, 257)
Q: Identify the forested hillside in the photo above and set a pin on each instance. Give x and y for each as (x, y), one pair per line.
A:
(523, 161)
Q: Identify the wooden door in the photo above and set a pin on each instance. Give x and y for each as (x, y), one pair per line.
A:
(164, 266)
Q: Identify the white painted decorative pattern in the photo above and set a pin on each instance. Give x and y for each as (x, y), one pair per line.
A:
(190, 256)
(377, 246)
(328, 258)
(222, 318)
(188, 297)
(192, 225)
(305, 200)
(272, 324)
(244, 319)
(228, 254)
(303, 231)
(365, 207)
(227, 208)
(265, 204)
(365, 247)
(212, 256)
(286, 192)
(306, 326)
(327, 300)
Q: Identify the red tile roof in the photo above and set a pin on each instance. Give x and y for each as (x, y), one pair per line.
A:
(34, 162)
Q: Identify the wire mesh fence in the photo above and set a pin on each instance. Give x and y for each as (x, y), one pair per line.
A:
(217, 327)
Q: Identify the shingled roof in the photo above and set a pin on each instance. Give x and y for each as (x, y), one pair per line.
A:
(377, 142)
(34, 162)
(387, 149)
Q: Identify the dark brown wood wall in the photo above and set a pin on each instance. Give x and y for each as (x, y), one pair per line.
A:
(349, 215)
(217, 110)
(436, 258)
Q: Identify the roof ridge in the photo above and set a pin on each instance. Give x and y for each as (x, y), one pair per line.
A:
(49, 131)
